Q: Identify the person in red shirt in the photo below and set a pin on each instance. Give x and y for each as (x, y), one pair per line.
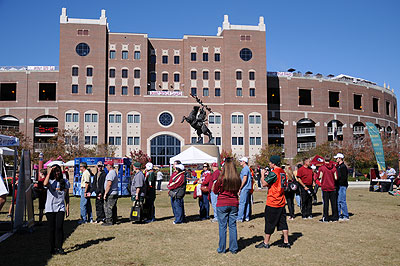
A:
(305, 179)
(328, 175)
(275, 213)
(213, 196)
(227, 187)
(204, 203)
(177, 187)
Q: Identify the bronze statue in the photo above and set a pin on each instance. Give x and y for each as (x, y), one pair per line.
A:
(197, 119)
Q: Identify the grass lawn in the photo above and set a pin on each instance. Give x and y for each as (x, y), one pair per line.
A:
(371, 237)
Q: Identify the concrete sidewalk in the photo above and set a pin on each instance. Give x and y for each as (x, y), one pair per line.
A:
(359, 184)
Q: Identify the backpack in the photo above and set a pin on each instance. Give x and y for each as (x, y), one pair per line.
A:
(284, 182)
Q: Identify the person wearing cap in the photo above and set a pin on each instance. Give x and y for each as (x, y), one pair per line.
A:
(98, 188)
(244, 191)
(85, 205)
(204, 202)
(342, 184)
(305, 179)
(213, 196)
(328, 174)
(110, 195)
(275, 213)
(177, 187)
(138, 184)
(150, 192)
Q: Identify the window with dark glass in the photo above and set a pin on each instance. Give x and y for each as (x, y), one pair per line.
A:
(89, 72)
(217, 140)
(238, 75)
(217, 57)
(165, 59)
(304, 97)
(136, 91)
(205, 75)
(75, 71)
(153, 59)
(136, 55)
(112, 54)
(111, 141)
(193, 91)
(136, 141)
(94, 140)
(239, 92)
(153, 77)
(47, 92)
(217, 92)
(82, 49)
(357, 101)
(88, 118)
(193, 57)
(205, 57)
(136, 73)
(112, 73)
(176, 77)
(87, 140)
(124, 54)
(94, 118)
(245, 54)
(74, 88)
(130, 141)
(176, 59)
(273, 96)
(217, 75)
(252, 92)
(387, 108)
(124, 73)
(124, 90)
(111, 90)
(89, 89)
(375, 105)
(252, 75)
(193, 74)
(333, 99)
(205, 92)
(165, 77)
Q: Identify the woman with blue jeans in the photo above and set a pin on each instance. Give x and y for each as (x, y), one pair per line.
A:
(227, 188)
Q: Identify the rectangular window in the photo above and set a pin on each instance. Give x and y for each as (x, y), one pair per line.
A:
(111, 140)
(238, 75)
(240, 119)
(88, 118)
(211, 119)
(153, 59)
(89, 72)
(94, 118)
(68, 117)
(87, 140)
(205, 57)
(118, 141)
(234, 119)
(111, 118)
(193, 74)
(176, 77)
(75, 117)
(240, 140)
(193, 91)
(112, 73)
(136, 73)
(234, 141)
(136, 119)
(387, 108)
(89, 89)
(252, 92)
(205, 92)
(136, 141)
(251, 119)
(258, 119)
(111, 90)
(217, 140)
(273, 96)
(239, 92)
(205, 75)
(124, 73)
(153, 77)
(252, 141)
(136, 91)
(47, 91)
(74, 88)
(333, 99)
(130, 141)
(357, 101)
(75, 140)
(75, 71)
(124, 54)
(258, 140)
(217, 57)
(193, 57)
(304, 97)
(217, 75)
(217, 92)
(394, 111)
(176, 59)
(165, 59)
(217, 119)
(165, 77)
(375, 105)
(130, 119)
(112, 54)
(117, 118)
(94, 140)
(252, 75)
(136, 55)
(124, 90)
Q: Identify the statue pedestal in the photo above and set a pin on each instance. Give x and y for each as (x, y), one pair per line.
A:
(210, 149)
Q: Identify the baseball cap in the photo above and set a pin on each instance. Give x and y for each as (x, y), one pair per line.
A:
(214, 165)
(137, 165)
(339, 155)
(244, 159)
(100, 163)
(275, 159)
(149, 166)
(83, 164)
(109, 163)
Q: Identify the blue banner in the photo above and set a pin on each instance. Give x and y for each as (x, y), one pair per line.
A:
(377, 145)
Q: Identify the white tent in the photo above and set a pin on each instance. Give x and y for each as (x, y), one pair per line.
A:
(193, 156)
(6, 151)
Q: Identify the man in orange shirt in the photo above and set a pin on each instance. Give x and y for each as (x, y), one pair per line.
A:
(275, 214)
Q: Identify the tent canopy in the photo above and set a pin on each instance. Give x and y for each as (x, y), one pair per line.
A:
(6, 141)
(6, 151)
(193, 156)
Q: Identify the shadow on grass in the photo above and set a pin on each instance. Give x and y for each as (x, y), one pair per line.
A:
(245, 242)
(89, 243)
(292, 238)
(35, 246)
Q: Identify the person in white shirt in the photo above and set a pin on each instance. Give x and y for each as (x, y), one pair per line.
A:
(160, 177)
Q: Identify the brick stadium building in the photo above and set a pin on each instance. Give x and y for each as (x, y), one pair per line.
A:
(131, 91)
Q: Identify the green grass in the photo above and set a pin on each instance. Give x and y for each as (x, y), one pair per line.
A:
(371, 237)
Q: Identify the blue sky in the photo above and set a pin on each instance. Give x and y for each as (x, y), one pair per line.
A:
(358, 38)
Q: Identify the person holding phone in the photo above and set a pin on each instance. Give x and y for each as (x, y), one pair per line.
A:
(57, 207)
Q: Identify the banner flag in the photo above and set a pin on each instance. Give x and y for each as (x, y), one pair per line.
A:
(377, 145)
